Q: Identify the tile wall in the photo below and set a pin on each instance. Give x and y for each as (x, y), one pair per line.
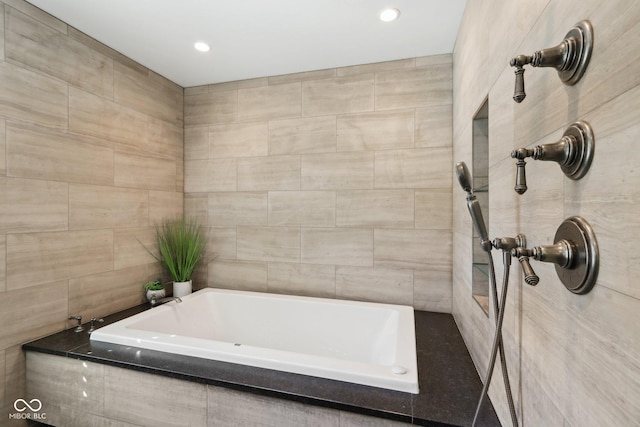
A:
(574, 360)
(91, 148)
(333, 183)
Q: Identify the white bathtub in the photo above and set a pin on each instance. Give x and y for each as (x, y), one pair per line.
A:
(358, 342)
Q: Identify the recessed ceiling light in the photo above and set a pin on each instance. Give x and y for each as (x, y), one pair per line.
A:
(202, 47)
(389, 15)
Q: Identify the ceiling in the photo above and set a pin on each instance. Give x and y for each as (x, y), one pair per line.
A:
(258, 38)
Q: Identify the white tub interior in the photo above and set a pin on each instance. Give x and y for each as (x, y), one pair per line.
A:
(365, 343)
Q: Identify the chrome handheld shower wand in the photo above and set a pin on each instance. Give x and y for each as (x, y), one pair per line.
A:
(506, 244)
(464, 178)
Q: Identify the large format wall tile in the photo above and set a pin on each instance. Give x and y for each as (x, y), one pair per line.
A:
(242, 208)
(302, 136)
(238, 140)
(268, 244)
(269, 173)
(3, 148)
(375, 208)
(418, 168)
(47, 306)
(37, 258)
(201, 176)
(303, 208)
(302, 279)
(337, 171)
(393, 286)
(58, 156)
(269, 102)
(29, 96)
(337, 246)
(376, 131)
(210, 108)
(134, 171)
(54, 53)
(28, 205)
(338, 96)
(93, 207)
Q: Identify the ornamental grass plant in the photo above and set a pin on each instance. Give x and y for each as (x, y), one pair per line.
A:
(181, 246)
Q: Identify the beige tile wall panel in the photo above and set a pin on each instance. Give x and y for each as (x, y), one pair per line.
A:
(1, 59)
(47, 306)
(76, 386)
(221, 244)
(241, 208)
(133, 171)
(302, 279)
(196, 205)
(421, 87)
(237, 84)
(434, 126)
(37, 13)
(3, 148)
(29, 96)
(2, 379)
(242, 275)
(201, 176)
(341, 95)
(38, 258)
(29, 205)
(16, 384)
(233, 408)
(375, 208)
(124, 401)
(422, 249)
(238, 140)
(196, 145)
(434, 208)
(129, 247)
(334, 246)
(432, 290)
(302, 136)
(417, 168)
(210, 108)
(42, 48)
(163, 138)
(268, 244)
(376, 131)
(337, 171)
(302, 208)
(57, 156)
(376, 67)
(149, 93)
(93, 207)
(105, 293)
(391, 286)
(269, 102)
(301, 77)
(99, 117)
(196, 90)
(269, 173)
(3, 265)
(165, 204)
(605, 197)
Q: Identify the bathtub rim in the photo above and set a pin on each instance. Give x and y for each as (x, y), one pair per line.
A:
(346, 371)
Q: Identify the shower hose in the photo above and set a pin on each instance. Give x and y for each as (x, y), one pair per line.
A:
(498, 310)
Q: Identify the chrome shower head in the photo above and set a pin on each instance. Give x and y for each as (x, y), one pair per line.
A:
(464, 177)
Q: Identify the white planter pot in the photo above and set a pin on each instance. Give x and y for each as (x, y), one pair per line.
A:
(158, 295)
(181, 289)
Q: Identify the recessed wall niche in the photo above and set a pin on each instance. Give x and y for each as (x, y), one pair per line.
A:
(480, 268)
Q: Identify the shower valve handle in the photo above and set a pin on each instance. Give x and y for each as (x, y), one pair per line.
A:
(530, 277)
(573, 153)
(569, 58)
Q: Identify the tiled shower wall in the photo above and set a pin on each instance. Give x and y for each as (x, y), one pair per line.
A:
(90, 156)
(333, 183)
(574, 360)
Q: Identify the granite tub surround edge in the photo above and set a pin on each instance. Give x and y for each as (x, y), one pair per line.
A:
(449, 384)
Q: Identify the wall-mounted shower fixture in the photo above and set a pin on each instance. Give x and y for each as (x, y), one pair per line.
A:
(574, 253)
(570, 58)
(464, 178)
(574, 153)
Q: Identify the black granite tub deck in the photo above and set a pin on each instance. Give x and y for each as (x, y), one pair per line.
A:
(449, 383)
